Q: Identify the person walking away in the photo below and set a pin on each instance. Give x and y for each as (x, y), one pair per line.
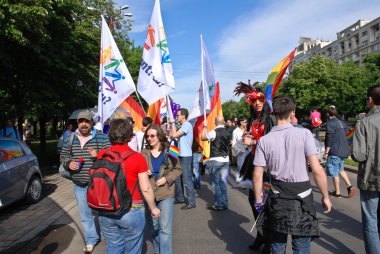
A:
(184, 184)
(366, 151)
(124, 233)
(163, 170)
(218, 164)
(241, 150)
(85, 146)
(260, 122)
(336, 150)
(284, 152)
(316, 121)
(134, 143)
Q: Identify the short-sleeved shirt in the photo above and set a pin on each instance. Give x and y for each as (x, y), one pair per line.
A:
(186, 140)
(284, 150)
(135, 164)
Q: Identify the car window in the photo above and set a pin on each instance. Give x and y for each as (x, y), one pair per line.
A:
(10, 150)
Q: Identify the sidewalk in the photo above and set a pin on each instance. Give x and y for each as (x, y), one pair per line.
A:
(23, 227)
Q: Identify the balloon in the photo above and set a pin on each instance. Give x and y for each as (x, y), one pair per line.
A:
(177, 107)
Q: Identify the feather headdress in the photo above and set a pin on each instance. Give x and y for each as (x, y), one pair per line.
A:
(249, 91)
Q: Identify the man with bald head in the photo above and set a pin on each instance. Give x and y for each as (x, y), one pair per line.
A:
(217, 165)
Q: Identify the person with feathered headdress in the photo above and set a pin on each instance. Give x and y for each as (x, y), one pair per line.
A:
(260, 122)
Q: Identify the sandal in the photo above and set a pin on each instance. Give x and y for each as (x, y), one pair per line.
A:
(333, 193)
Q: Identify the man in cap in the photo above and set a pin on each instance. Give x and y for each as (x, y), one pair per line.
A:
(79, 151)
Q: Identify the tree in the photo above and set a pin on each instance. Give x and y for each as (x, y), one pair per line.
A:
(321, 82)
(233, 109)
(46, 47)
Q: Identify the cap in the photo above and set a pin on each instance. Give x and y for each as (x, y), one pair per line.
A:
(85, 115)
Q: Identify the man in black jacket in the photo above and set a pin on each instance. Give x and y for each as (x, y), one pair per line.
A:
(217, 165)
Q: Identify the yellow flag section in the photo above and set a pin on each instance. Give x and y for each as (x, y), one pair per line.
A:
(216, 110)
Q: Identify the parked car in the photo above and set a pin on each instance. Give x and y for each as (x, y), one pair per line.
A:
(20, 174)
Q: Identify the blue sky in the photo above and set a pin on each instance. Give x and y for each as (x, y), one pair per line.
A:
(245, 38)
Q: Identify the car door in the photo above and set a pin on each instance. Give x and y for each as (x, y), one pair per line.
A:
(12, 172)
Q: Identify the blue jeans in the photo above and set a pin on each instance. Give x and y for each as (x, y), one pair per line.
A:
(369, 201)
(218, 177)
(162, 227)
(196, 169)
(185, 182)
(125, 233)
(300, 244)
(91, 236)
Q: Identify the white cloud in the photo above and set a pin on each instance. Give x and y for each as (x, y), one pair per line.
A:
(258, 41)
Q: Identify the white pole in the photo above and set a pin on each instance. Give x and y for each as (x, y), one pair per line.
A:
(140, 102)
(203, 83)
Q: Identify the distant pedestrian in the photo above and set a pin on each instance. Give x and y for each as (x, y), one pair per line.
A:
(366, 150)
(9, 130)
(184, 184)
(163, 170)
(141, 140)
(77, 158)
(284, 152)
(316, 121)
(336, 150)
(27, 136)
(197, 160)
(218, 164)
(339, 116)
(240, 150)
(124, 233)
(134, 143)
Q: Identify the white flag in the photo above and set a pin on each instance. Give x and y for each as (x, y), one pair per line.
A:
(156, 78)
(206, 90)
(115, 81)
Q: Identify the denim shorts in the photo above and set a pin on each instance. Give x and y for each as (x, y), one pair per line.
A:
(334, 165)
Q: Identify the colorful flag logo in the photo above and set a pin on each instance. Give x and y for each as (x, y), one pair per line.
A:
(115, 81)
(156, 78)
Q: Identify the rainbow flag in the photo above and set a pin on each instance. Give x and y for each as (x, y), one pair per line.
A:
(205, 160)
(266, 187)
(276, 75)
(173, 151)
(350, 135)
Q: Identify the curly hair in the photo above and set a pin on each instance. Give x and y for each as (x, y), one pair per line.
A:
(160, 135)
(120, 132)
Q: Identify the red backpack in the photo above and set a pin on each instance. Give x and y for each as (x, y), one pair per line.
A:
(107, 190)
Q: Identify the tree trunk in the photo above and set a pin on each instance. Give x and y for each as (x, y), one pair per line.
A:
(42, 134)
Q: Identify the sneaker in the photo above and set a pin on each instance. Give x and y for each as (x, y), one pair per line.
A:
(187, 207)
(88, 248)
(351, 191)
(333, 193)
(215, 208)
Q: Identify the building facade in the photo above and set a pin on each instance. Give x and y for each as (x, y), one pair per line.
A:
(353, 43)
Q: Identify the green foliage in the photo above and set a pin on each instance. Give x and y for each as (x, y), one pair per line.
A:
(321, 82)
(233, 109)
(47, 46)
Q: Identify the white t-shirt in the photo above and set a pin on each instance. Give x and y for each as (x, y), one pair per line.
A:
(211, 136)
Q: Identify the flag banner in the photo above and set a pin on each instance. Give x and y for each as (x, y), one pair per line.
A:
(173, 150)
(350, 135)
(207, 88)
(276, 75)
(115, 81)
(156, 78)
(135, 111)
(216, 110)
(156, 109)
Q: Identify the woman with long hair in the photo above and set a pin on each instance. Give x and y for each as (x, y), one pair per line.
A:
(260, 122)
(163, 170)
(124, 233)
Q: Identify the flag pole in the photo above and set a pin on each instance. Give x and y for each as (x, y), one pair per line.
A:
(203, 83)
(140, 102)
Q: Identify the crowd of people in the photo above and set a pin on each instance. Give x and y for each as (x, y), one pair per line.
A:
(270, 150)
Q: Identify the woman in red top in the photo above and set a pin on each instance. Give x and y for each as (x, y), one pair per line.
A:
(260, 122)
(125, 233)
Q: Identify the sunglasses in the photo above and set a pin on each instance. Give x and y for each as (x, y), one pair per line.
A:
(151, 136)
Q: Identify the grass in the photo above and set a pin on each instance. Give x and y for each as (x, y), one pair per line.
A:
(350, 162)
(49, 157)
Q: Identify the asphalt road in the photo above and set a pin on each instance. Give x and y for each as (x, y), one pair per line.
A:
(202, 231)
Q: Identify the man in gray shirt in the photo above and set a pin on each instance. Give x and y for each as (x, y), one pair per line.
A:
(284, 152)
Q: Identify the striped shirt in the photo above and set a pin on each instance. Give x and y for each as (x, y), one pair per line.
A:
(97, 141)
